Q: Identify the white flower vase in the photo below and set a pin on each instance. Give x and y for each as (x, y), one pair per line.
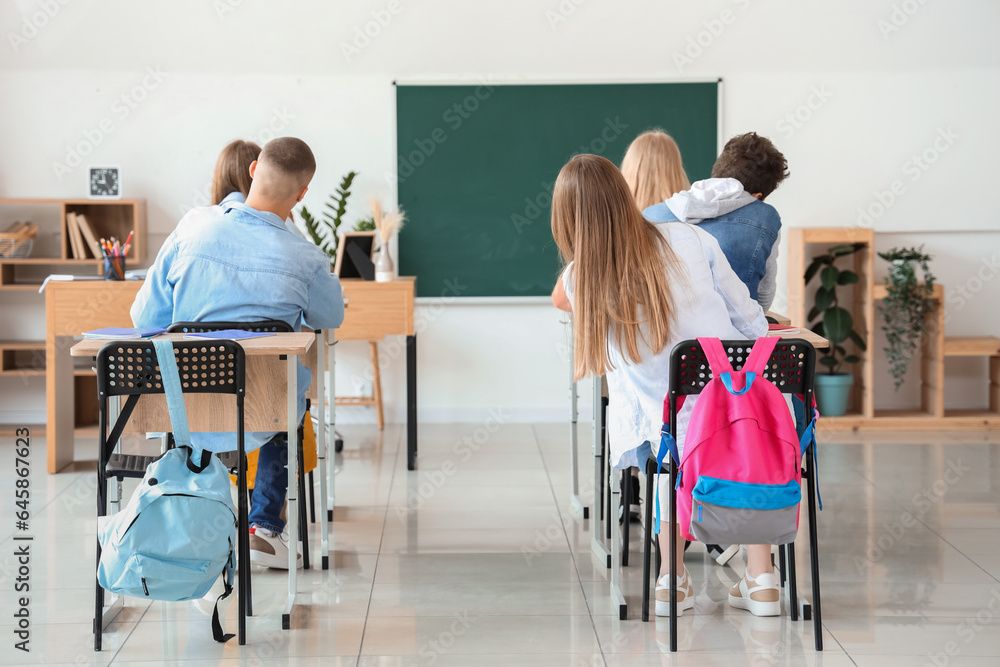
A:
(385, 271)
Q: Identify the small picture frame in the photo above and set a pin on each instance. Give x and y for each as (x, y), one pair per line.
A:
(104, 182)
(354, 255)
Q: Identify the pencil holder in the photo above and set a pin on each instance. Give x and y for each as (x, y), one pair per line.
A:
(114, 268)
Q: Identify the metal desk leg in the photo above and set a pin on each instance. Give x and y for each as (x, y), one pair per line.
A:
(617, 599)
(293, 487)
(330, 415)
(411, 402)
(596, 544)
(321, 447)
(574, 471)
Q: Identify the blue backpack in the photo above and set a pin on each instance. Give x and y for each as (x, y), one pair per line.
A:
(177, 534)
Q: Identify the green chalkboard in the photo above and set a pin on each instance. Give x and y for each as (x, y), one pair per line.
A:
(476, 165)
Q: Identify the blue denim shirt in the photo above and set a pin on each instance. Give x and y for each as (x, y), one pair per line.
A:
(233, 263)
(745, 235)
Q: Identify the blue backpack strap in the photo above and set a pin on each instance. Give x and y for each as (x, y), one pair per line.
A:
(667, 444)
(807, 439)
(199, 458)
(727, 382)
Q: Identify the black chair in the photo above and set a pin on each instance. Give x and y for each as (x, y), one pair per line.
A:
(791, 368)
(130, 368)
(268, 326)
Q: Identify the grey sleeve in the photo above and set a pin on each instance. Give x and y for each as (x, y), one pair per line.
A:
(769, 283)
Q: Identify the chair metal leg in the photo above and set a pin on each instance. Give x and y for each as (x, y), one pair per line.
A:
(817, 616)
(243, 550)
(626, 504)
(781, 565)
(793, 595)
(609, 515)
(312, 497)
(673, 557)
(102, 509)
(617, 598)
(647, 539)
(303, 522)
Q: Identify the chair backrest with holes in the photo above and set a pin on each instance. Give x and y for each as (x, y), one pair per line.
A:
(740, 474)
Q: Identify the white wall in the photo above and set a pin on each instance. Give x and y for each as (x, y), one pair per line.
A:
(241, 68)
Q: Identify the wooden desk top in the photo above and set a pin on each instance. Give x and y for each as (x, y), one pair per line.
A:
(780, 319)
(815, 339)
(279, 343)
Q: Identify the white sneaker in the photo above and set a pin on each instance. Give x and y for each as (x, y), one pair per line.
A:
(685, 594)
(270, 550)
(760, 598)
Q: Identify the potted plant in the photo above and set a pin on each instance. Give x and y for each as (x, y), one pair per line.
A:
(905, 307)
(324, 230)
(828, 319)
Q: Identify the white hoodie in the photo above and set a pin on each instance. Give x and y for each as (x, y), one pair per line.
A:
(713, 197)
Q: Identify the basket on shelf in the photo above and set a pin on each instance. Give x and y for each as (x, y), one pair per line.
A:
(17, 241)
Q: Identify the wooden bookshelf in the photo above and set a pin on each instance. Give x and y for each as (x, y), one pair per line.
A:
(862, 415)
(52, 253)
(107, 218)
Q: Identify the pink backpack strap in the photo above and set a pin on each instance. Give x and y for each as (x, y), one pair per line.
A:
(760, 354)
(718, 360)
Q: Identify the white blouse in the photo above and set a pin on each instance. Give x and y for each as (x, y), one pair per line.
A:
(714, 303)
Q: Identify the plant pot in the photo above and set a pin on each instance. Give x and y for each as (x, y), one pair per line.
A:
(832, 390)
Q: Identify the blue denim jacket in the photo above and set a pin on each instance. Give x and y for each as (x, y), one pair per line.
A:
(232, 263)
(745, 235)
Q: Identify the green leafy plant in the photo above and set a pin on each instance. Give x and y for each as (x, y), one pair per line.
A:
(906, 306)
(324, 230)
(365, 224)
(826, 317)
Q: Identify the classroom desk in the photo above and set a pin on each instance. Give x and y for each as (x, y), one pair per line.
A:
(376, 310)
(779, 319)
(71, 308)
(271, 372)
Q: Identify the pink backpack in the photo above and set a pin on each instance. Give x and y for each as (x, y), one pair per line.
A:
(739, 481)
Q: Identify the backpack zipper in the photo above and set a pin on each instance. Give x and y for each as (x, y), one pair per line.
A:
(144, 588)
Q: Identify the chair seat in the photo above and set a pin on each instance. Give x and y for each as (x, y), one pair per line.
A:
(129, 465)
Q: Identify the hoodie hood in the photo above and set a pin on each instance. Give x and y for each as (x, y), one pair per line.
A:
(709, 199)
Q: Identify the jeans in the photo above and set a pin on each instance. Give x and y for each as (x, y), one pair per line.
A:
(271, 484)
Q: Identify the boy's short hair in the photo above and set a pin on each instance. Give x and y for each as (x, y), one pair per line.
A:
(754, 161)
(291, 158)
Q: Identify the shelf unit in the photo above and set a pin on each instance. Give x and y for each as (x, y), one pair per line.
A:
(803, 244)
(108, 218)
(861, 414)
(52, 254)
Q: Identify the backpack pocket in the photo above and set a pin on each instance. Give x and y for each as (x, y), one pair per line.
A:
(728, 512)
(172, 580)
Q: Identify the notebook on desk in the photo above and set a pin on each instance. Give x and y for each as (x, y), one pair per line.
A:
(122, 333)
(227, 334)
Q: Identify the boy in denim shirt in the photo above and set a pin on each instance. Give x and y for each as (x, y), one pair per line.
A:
(239, 263)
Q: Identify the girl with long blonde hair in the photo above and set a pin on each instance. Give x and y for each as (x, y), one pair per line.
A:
(636, 290)
(653, 168)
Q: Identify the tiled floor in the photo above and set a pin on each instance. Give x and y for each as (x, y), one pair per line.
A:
(476, 559)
